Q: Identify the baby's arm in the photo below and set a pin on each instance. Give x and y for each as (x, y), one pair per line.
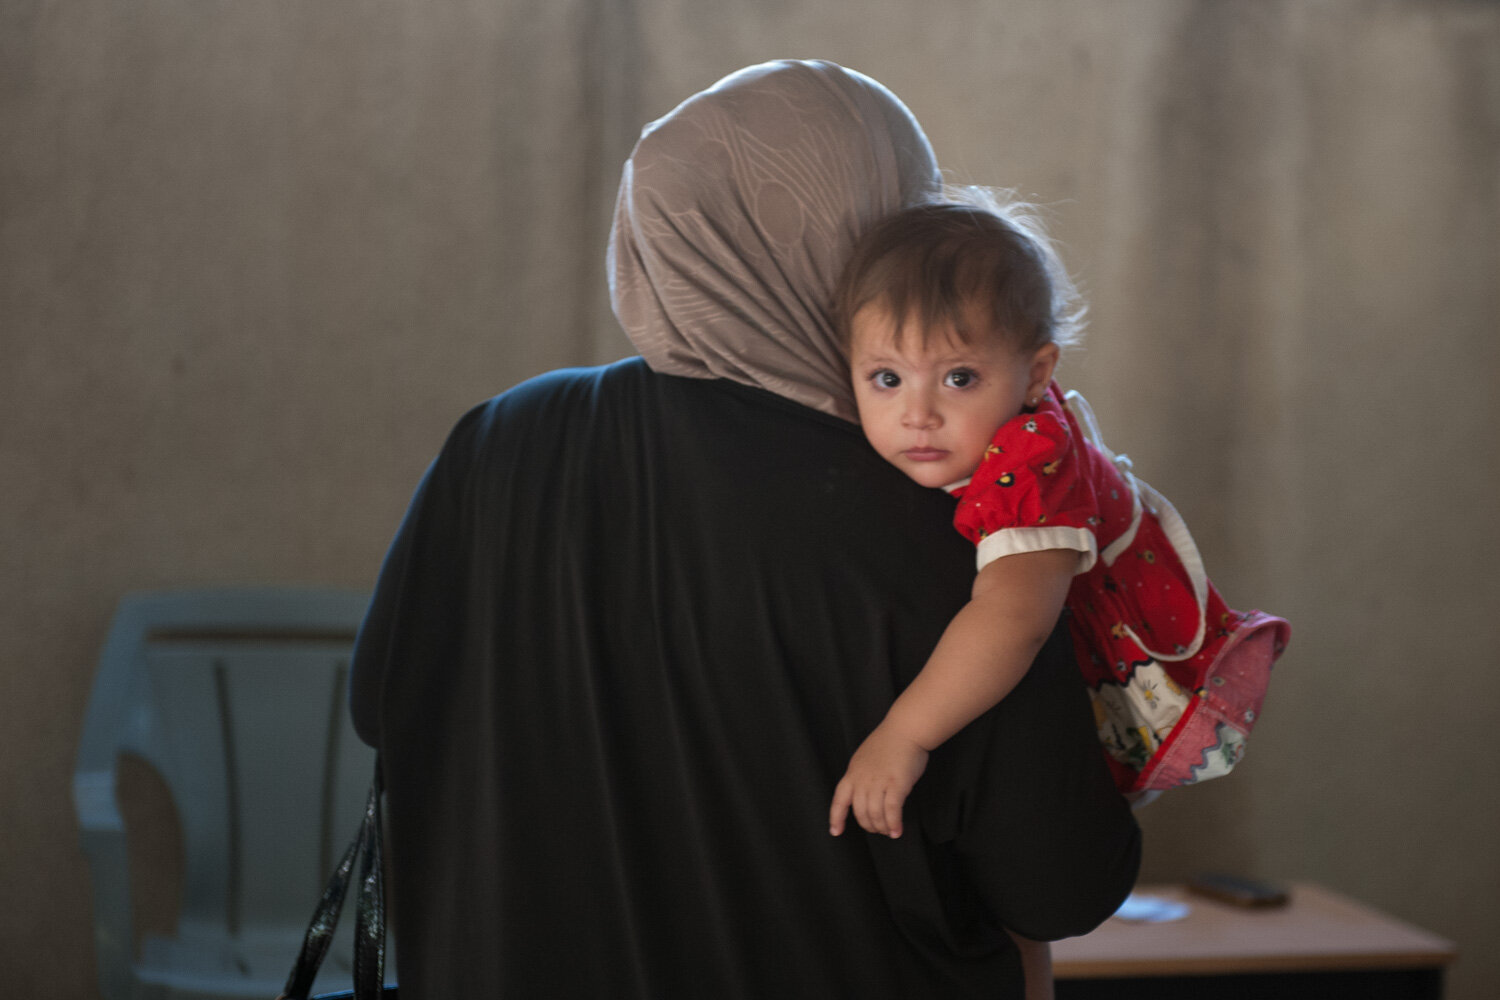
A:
(984, 652)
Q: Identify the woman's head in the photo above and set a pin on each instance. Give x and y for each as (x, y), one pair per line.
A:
(737, 211)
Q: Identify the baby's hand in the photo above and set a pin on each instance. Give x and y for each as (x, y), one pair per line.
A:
(880, 776)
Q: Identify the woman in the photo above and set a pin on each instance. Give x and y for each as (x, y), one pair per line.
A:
(638, 617)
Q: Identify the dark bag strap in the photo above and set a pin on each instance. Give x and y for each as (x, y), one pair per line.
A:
(369, 911)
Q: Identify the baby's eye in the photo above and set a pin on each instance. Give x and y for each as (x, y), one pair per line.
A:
(960, 378)
(885, 379)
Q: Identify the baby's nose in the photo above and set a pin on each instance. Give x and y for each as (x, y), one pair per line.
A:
(920, 414)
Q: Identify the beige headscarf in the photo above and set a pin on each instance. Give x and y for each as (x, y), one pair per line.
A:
(736, 213)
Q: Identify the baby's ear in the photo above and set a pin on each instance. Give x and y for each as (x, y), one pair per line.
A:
(1043, 364)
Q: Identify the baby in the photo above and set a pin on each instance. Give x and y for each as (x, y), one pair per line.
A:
(954, 316)
(947, 312)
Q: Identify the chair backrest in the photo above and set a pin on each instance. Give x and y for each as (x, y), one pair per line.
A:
(237, 697)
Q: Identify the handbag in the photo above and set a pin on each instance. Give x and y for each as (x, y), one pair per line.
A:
(369, 915)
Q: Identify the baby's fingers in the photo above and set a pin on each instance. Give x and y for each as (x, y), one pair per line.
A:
(869, 810)
(843, 798)
(891, 817)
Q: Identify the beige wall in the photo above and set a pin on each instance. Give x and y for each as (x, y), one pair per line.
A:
(255, 258)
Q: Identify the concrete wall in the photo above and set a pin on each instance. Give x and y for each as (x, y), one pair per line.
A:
(255, 258)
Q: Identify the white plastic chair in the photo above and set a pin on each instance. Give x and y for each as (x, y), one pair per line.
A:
(237, 697)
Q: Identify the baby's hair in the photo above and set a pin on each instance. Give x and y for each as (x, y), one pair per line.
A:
(935, 263)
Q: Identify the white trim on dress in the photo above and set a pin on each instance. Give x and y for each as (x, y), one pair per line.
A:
(1038, 538)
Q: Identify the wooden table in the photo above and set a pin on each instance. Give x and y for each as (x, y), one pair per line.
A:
(1320, 945)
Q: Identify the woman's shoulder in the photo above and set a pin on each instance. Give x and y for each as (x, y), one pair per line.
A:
(563, 384)
(549, 393)
(627, 403)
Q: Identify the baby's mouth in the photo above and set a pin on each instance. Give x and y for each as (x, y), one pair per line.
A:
(925, 454)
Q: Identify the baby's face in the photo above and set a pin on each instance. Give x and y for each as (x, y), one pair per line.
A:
(931, 410)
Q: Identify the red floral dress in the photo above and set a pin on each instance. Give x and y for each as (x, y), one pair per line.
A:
(1177, 677)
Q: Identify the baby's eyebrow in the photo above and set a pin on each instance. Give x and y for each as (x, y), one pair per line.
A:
(941, 361)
